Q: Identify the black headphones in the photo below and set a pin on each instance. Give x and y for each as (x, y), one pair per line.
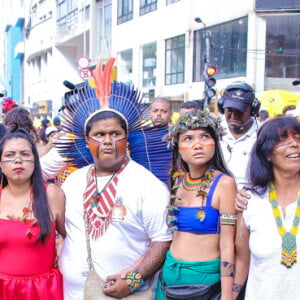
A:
(246, 92)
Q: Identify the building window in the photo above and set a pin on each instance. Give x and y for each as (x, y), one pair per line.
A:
(103, 25)
(125, 11)
(147, 6)
(175, 56)
(228, 49)
(172, 1)
(282, 46)
(67, 14)
(125, 66)
(149, 65)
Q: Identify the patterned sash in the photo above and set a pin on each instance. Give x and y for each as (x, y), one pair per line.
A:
(98, 205)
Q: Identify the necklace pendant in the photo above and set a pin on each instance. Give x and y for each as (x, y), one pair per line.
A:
(289, 249)
(201, 214)
(201, 193)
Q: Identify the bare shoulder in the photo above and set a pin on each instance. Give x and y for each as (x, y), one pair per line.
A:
(226, 193)
(53, 189)
(227, 181)
(56, 201)
(55, 195)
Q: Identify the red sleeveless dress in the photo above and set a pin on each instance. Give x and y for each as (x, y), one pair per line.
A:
(27, 269)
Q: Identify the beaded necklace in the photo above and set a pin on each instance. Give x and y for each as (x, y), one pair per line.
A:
(200, 185)
(289, 245)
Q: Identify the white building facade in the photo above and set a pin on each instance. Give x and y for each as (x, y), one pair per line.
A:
(159, 46)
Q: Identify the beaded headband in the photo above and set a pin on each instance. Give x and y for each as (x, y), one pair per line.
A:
(198, 120)
(102, 110)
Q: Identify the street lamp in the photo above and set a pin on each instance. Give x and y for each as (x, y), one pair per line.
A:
(199, 20)
(207, 40)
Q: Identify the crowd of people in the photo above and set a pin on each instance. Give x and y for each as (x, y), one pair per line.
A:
(206, 207)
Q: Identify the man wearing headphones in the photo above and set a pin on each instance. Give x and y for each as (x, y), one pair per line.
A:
(240, 108)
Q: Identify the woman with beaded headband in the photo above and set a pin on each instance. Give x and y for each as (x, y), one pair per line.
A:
(268, 239)
(201, 213)
(117, 201)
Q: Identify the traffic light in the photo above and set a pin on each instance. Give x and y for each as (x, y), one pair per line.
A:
(210, 82)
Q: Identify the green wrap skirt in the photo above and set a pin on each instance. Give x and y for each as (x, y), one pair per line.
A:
(180, 272)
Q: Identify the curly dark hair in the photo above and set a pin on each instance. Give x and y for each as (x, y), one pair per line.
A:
(21, 118)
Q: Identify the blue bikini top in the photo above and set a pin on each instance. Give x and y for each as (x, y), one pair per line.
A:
(187, 219)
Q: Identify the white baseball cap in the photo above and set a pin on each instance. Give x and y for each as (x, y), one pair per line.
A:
(50, 130)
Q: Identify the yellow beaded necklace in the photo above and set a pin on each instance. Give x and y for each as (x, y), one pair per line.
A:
(289, 245)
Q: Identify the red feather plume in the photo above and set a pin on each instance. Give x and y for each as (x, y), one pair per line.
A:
(103, 78)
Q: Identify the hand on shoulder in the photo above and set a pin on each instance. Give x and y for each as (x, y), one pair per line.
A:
(241, 200)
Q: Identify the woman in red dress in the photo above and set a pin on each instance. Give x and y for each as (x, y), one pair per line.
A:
(30, 214)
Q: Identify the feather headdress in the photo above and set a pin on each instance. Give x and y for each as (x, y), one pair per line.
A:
(145, 143)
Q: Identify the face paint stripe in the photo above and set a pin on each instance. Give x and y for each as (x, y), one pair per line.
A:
(193, 146)
(119, 147)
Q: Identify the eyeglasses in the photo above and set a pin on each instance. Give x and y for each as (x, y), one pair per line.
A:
(10, 161)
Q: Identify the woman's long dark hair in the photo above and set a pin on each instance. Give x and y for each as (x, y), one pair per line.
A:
(40, 204)
(260, 168)
(217, 161)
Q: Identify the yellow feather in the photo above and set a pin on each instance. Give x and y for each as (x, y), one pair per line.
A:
(92, 82)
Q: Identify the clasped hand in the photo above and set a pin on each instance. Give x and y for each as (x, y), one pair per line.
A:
(116, 286)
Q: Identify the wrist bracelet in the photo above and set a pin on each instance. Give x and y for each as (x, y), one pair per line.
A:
(134, 280)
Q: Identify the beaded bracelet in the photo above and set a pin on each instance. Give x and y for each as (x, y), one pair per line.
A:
(228, 219)
(134, 280)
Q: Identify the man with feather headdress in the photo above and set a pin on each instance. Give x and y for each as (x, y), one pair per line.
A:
(115, 207)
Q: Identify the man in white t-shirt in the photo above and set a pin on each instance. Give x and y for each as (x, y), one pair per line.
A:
(123, 206)
(240, 108)
(116, 209)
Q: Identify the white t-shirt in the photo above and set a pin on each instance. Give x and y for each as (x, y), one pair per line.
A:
(236, 153)
(269, 279)
(145, 198)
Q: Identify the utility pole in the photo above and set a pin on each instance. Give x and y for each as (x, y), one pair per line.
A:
(209, 71)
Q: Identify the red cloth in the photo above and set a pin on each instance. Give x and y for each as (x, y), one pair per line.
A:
(8, 104)
(27, 265)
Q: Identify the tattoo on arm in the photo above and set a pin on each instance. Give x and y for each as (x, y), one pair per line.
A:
(227, 269)
(153, 258)
(237, 288)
